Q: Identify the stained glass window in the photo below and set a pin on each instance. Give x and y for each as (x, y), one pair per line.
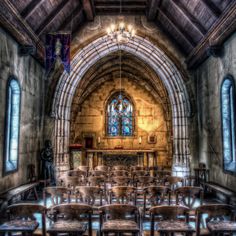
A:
(12, 126)
(228, 123)
(120, 116)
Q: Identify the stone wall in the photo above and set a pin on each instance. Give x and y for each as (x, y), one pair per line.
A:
(208, 79)
(149, 119)
(30, 75)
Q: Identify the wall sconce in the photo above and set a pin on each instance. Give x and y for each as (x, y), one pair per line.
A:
(140, 140)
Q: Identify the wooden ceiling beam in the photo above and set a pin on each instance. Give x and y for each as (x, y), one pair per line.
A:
(152, 8)
(88, 6)
(48, 20)
(27, 12)
(12, 21)
(134, 7)
(220, 31)
(191, 18)
(117, 2)
(212, 7)
(69, 20)
(173, 24)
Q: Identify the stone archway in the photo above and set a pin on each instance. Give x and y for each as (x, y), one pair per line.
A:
(155, 58)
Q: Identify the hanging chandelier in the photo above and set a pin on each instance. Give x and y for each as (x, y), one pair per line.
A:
(120, 33)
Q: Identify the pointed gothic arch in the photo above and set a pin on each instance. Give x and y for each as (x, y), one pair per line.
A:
(145, 50)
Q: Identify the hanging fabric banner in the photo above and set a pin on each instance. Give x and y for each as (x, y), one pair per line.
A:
(58, 48)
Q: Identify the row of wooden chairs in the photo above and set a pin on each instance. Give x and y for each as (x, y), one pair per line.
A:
(120, 167)
(76, 219)
(106, 169)
(74, 179)
(148, 196)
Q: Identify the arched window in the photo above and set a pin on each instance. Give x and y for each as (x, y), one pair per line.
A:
(12, 126)
(120, 119)
(228, 123)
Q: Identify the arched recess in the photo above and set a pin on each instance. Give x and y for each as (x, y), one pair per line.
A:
(151, 55)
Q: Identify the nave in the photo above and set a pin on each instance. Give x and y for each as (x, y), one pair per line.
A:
(121, 200)
(121, 111)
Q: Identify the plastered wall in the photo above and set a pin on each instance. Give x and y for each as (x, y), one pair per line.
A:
(30, 75)
(208, 80)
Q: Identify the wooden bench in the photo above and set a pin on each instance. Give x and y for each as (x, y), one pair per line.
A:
(23, 191)
(214, 187)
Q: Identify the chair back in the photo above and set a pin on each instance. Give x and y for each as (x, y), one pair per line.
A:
(156, 195)
(99, 181)
(89, 194)
(121, 181)
(140, 173)
(167, 213)
(118, 211)
(188, 195)
(120, 173)
(77, 172)
(58, 195)
(102, 168)
(144, 181)
(73, 211)
(26, 211)
(97, 173)
(72, 181)
(174, 181)
(162, 175)
(123, 194)
(119, 167)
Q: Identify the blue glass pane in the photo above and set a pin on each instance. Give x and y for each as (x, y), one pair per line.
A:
(12, 132)
(120, 113)
(228, 127)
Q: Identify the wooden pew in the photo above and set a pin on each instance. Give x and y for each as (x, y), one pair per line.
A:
(23, 191)
(216, 188)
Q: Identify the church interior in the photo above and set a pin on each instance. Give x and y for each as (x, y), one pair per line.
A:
(119, 117)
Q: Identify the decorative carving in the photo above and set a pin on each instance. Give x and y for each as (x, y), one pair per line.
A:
(152, 138)
(127, 160)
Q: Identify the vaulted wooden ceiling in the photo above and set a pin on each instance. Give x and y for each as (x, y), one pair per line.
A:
(187, 22)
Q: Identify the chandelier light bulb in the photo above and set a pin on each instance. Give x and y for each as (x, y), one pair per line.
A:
(113, 27)
(122, 25)
(108, 30)
(119, 37)
(130, 27)
(133, 33)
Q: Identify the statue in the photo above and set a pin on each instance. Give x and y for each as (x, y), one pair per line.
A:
(47, 162)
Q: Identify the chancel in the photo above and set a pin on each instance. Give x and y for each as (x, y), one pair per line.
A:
(118, 117)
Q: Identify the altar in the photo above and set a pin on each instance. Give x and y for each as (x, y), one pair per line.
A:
(128, 157)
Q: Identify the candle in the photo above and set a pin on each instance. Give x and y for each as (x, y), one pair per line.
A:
(99, 140)
(140, 140)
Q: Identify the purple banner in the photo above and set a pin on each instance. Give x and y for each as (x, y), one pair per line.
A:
(58, 47)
